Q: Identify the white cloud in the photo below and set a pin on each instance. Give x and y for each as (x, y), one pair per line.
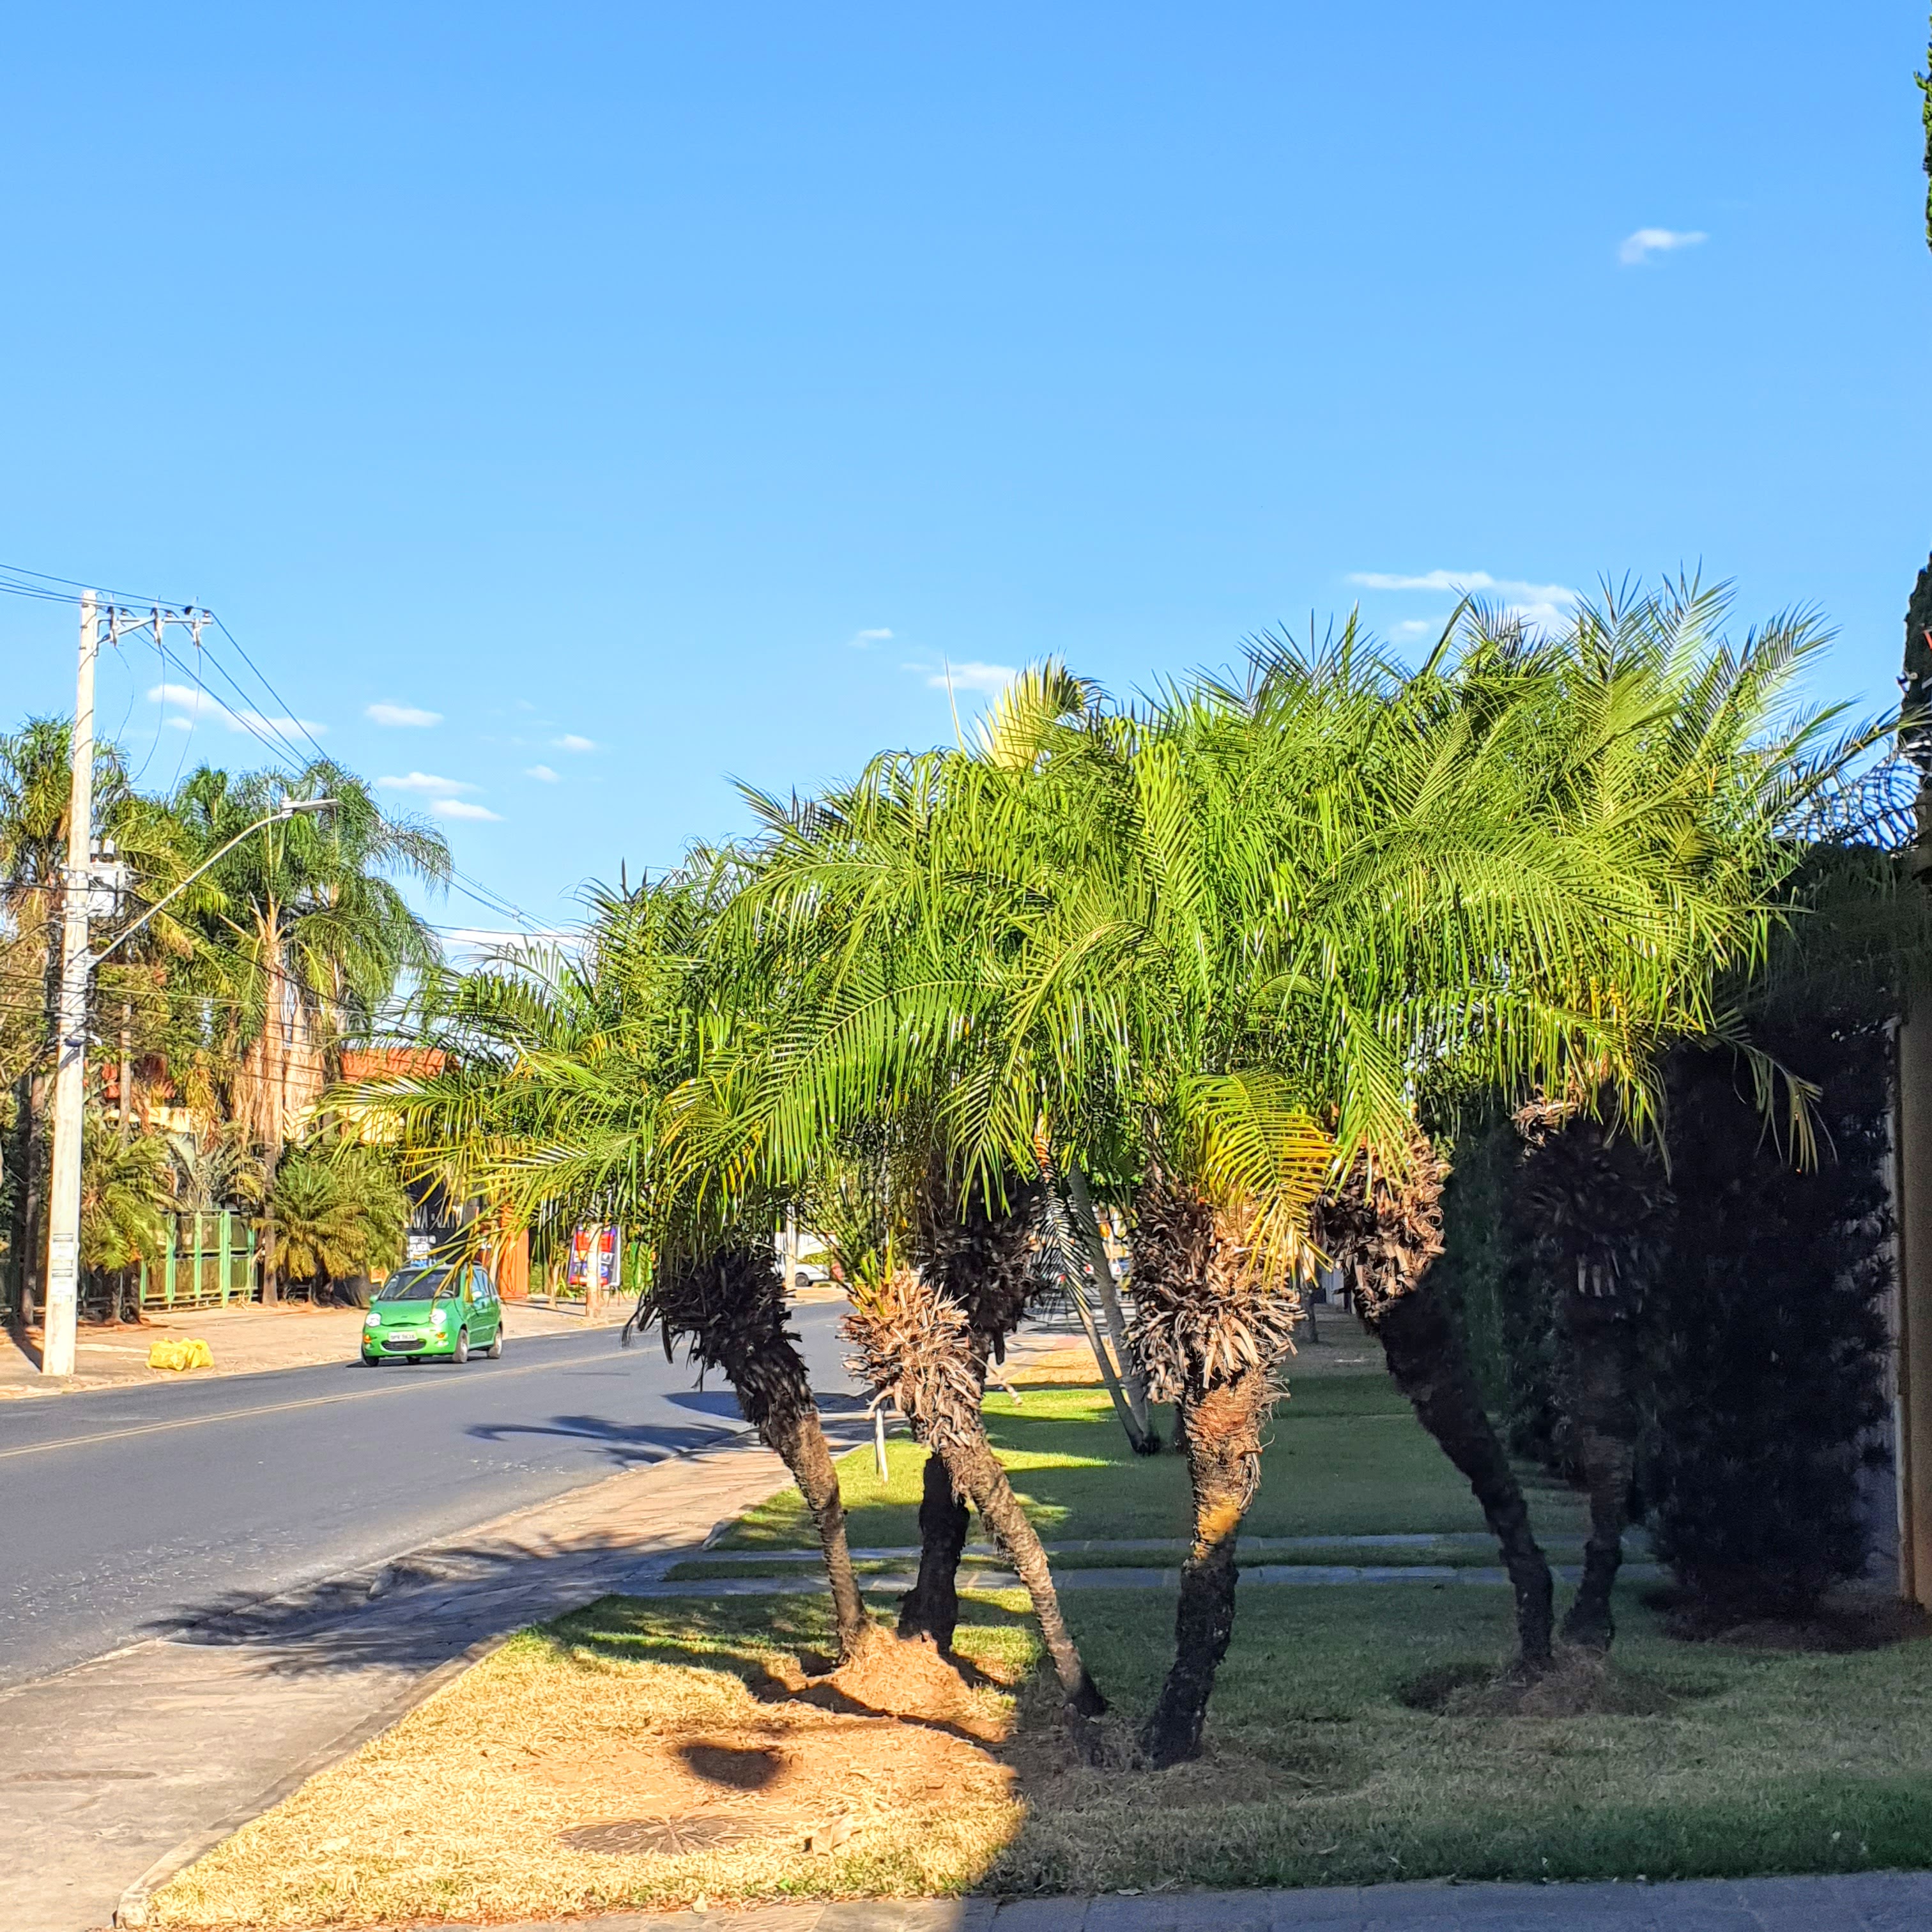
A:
(1464, 580)
(571, 742)
(189, 701)
(1543, 616)
(864, 641)
(463, 808)
(400, 714)
(542, 771)
(425, 782)
(968, 676)
(1419, 627)
(1648, 241)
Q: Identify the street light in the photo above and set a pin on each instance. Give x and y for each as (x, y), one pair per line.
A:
(77, 965)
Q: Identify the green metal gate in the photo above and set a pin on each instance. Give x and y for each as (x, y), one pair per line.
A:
(209, 1262)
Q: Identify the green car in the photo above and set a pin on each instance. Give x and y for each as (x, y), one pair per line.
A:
(433, 1308)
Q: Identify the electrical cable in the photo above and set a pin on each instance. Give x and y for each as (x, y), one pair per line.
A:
(75, 584)
(288, 709)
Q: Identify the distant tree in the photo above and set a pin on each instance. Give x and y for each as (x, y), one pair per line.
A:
(125, 1201)
(337, 1211)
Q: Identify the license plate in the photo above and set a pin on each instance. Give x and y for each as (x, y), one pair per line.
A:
(402, 1341)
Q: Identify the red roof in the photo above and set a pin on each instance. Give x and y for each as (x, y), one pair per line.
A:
(382, 1063)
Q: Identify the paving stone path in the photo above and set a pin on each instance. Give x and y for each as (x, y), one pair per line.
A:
(1867, 1902)
(670, 1578)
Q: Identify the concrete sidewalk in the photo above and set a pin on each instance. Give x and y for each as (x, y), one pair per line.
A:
(244, 1339)
(120, 1771)
(1868, 1902)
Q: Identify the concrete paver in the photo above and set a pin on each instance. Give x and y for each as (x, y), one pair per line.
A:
(1865, 1902)
(119, 1771)
(1439, 1575)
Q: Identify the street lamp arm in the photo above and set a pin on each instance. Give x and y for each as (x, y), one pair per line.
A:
(280, 814)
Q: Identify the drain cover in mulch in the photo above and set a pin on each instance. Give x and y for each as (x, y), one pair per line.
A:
(627, 1838)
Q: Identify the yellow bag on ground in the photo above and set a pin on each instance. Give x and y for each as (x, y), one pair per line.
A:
(180, 1355)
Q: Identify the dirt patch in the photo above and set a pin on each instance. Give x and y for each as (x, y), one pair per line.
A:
(1583, 1684)
(610, 1783)
(786, 1777)
(1852, 1621)
(894, 1677)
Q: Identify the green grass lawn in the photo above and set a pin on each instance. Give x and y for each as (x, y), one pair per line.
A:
(1345, 1456)
(1320, 1772)
(1352, 1738)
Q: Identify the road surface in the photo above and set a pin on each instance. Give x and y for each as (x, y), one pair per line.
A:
(125, 1513)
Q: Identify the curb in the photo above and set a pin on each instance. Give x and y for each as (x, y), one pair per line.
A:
(132, 1908)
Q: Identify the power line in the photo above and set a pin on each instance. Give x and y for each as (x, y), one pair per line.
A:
(288, 709)
(75, 584)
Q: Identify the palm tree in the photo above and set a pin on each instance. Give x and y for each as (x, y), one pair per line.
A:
(124, 1202)
(305, 936)
(555, 1079)
(1667, 763)
(335, 1211)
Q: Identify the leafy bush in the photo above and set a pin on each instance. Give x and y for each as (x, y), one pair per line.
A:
(339, 1210)
(1766, 1334)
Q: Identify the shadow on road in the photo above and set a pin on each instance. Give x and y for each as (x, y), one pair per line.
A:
(417, 1612)
(625, 1444)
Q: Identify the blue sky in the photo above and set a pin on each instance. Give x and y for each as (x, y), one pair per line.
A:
(655, 396)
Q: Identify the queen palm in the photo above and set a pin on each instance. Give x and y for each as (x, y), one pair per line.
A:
(1641, 739)
(550, 1103)
(1006, 953)
(304, 934)
(34, 792)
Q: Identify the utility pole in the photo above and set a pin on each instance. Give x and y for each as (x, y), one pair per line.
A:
(79, 899)
(57, 1345)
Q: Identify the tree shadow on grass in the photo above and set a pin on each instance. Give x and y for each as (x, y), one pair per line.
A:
(781, 1652)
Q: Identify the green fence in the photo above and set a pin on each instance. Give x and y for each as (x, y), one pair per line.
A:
(209, 1262)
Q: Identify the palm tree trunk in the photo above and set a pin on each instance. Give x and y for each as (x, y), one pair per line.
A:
(1605, 1417)
(793, 1432)
(1385, 1233)
(1218, 1431)
(1424, 1348)
(1088, 1227)
(930, 1608)
(1605, 1207)
(732, 1304)
(977, 1473)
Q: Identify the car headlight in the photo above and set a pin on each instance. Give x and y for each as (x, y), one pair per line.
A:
(372, 1321)
(438, 1317)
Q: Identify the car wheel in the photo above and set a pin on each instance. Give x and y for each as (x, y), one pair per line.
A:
(801, 1279)
(496, 1342)
(461, 1353)
(370, 1361)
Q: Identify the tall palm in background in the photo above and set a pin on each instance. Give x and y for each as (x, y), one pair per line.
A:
(35, 780)
(304, 937)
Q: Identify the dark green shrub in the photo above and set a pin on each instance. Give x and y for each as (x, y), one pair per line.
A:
(1765, 1335)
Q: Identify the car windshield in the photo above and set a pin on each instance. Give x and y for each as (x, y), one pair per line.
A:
(420, 1284)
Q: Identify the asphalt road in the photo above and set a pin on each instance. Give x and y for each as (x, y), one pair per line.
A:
(124, 1512)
